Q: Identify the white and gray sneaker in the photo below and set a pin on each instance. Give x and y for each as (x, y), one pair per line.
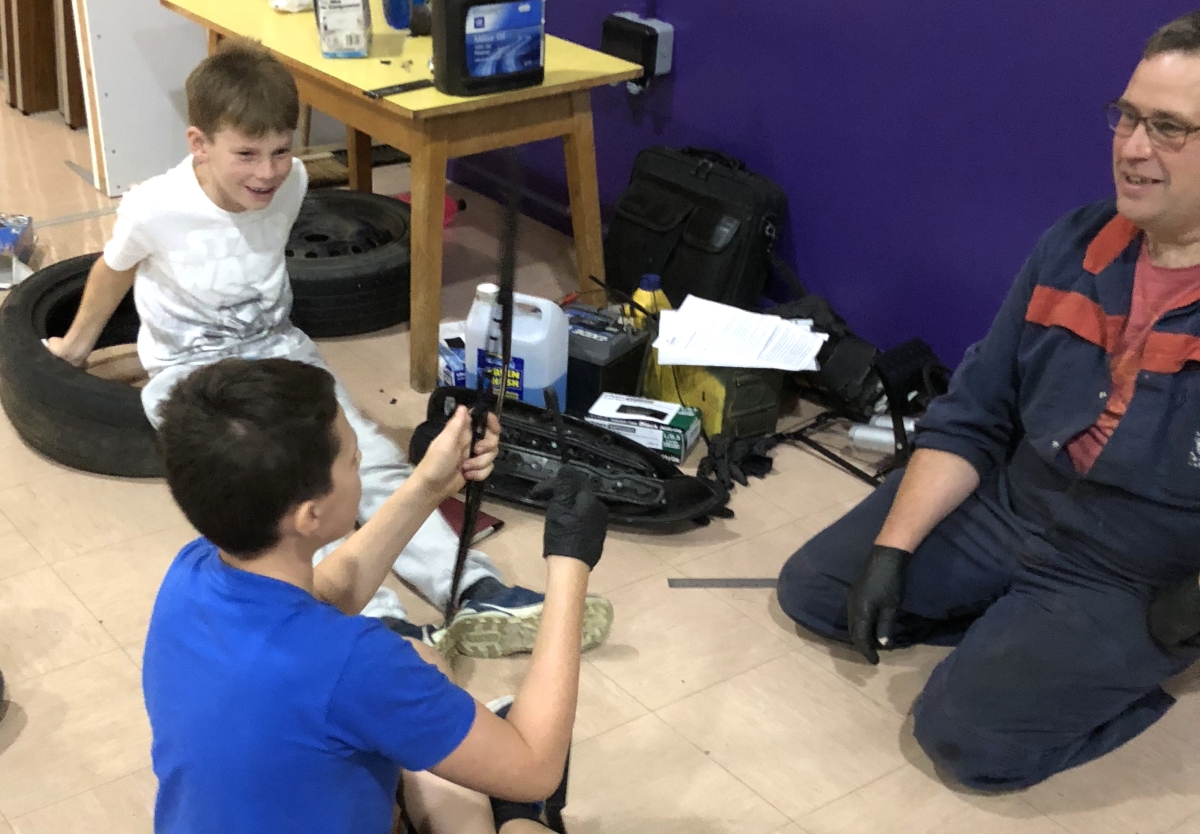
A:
(507, 623)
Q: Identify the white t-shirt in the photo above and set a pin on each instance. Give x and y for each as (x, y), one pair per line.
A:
(208, 280)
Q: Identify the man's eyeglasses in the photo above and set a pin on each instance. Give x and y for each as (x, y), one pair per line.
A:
(1164, 132)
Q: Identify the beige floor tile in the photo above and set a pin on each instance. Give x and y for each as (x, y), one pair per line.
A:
(18, 463)
(668, 643)
(385, 351)
(643, 777)
(45, 626)
(5, 828)
(1150, 785)
(758, 557)
(135, 652)
(907, 801)
(70, 731)
(791, 828)
(895, 683)
(17, 555)
(623, 563)
(118, 584)
(1192, 826)
(125, 806)
(602, 705)
(380, 392)
(793, 733)
(805, 484)
(36, 180)
(76, 513)
(753, 516)
(79, 237)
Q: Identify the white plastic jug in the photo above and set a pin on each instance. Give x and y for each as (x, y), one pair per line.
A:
(539, 344)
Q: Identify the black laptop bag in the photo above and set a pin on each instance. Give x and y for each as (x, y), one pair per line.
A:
(700, 220)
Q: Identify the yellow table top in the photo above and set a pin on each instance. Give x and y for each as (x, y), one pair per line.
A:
(293, 38)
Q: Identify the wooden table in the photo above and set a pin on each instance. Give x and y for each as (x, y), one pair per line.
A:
(433, 128)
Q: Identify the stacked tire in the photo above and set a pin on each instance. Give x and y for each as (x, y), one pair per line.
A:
(348, 258)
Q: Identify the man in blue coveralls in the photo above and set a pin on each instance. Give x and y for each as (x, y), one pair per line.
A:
(1049, 521)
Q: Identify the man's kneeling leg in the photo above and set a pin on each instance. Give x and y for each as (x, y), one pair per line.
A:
(1043, 682)
(814, 582)
(965, 564)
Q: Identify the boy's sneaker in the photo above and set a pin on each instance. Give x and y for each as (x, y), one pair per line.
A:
(507, 623)
(549, 811)
(435, 638)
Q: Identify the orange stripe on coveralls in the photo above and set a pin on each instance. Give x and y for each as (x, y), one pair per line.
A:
(1075, 312)
(1166, 353)
(1109, 243)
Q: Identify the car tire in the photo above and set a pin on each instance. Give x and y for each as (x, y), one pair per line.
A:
(67, 414)
(348, 259)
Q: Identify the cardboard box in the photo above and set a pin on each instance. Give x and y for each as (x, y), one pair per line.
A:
(668, 428)
(16, 249)
(344, 27)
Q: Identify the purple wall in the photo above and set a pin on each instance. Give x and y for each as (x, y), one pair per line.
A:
(923, 146)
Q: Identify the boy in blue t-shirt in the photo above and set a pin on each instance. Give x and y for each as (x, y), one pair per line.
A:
(274, 706)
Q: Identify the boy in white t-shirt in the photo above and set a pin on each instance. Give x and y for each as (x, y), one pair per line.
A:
(203, 247)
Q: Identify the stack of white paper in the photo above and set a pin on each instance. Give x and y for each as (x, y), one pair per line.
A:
(703, 332)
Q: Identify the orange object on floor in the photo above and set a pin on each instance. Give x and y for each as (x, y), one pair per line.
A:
(452, 206)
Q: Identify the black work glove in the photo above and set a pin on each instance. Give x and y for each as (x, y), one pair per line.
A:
(715, 464)
(576, 520)
(1175, 613)
(875, 598)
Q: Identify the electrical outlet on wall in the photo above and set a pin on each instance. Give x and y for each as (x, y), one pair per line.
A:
(646, 41)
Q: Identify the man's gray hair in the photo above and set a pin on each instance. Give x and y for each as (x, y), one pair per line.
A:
(1180, 35)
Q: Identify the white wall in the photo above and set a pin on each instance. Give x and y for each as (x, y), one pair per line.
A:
(141, 56)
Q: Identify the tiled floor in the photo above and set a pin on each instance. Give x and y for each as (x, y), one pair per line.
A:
(705, 713)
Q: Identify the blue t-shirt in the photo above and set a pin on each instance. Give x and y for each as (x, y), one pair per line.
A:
(273, 711)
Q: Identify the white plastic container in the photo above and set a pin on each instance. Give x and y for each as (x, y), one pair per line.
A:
(539, 344)
(872, 439)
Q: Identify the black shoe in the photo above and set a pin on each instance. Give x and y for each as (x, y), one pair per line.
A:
(435, 638)
(549, 811)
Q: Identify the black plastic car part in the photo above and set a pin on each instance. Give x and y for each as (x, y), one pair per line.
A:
(640, 487)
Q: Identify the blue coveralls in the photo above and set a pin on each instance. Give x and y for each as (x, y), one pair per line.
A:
(1042, 577)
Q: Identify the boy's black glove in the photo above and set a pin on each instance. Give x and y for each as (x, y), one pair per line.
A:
(576, 520)
(1175, 613)
(875, 598)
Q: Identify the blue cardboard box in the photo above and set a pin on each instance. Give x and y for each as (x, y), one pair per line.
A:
(344, 27)
(16, 248)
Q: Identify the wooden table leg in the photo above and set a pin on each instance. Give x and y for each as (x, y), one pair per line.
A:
(358, 159)
(579, 148)
(428, 198)
(304, 126)
(214, 40)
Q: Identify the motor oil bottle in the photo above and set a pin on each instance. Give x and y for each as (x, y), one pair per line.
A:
(650, 297)
(539, 345)
(481, 48)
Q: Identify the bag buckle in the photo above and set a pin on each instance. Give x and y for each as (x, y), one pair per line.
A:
(704, 168)
(770, 232)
